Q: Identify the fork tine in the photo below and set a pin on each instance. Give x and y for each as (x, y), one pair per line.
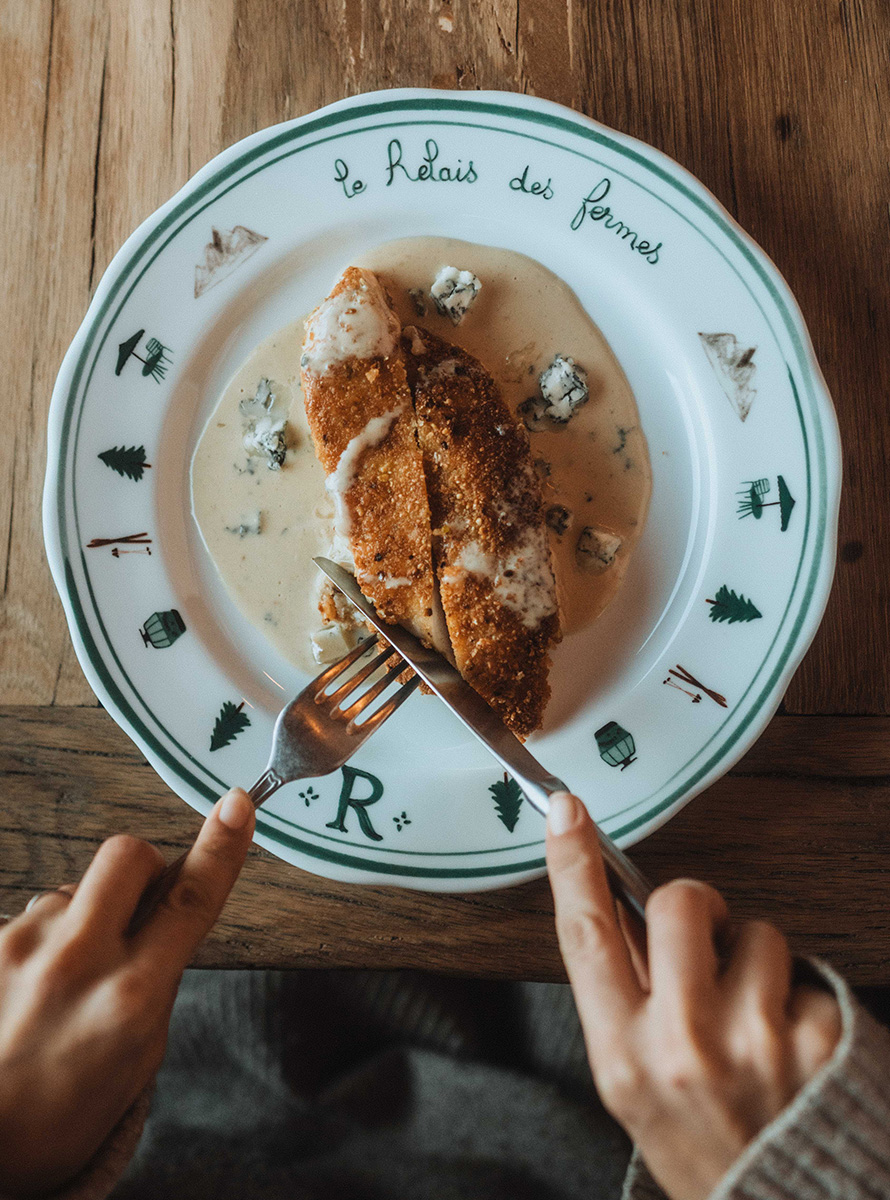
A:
(334, 699)
(377, 718)
(321, 681)
(373, 692)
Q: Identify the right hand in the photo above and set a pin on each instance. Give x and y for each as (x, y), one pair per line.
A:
(85, 1006)
(695, 1035)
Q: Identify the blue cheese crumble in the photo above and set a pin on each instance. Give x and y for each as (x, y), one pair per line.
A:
(564, 388)
(534, 414)
(260, 403)
(250, 524)
(596, 549)
(264, 432)
(453, 292)
(558, 518)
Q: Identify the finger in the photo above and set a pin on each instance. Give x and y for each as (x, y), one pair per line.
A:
(816, 1028)
(634, 934)
(684, 920)
(121, 869)
(597, 959)
(189, 911)
(759, 969)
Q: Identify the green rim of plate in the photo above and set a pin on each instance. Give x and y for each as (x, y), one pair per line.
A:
(292, 139)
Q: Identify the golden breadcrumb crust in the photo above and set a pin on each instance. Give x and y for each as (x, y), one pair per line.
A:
(485, 503)
(390, 521)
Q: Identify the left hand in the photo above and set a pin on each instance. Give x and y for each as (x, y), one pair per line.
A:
(696, 1036)
(85, 1006)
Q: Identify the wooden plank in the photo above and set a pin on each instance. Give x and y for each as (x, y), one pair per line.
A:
(780, 109)
(24, 70)
(99, 145)
(806, 851)
(55, 273)
(854, 748)
(329, 50)
(202, 35)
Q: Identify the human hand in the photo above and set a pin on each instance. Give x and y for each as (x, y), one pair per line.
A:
(695, 1034)
(84, 1007)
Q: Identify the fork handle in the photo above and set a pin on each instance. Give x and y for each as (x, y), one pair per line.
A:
(161, 887)
(268, 783)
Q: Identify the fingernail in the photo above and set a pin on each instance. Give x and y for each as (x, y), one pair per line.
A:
(564, 813)
(235, 809)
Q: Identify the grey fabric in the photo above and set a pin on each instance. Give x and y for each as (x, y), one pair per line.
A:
(372, 1085)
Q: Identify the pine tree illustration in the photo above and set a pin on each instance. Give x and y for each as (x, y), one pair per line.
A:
(126, 460)
(729, 607)
(507, 800)
(229, 724)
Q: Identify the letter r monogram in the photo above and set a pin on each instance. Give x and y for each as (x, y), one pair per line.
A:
(359, 804)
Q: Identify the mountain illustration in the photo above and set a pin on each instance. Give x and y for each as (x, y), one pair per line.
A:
(734, 367)
(223, 254)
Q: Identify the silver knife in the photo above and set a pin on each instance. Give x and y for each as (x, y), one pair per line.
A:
(480, 718)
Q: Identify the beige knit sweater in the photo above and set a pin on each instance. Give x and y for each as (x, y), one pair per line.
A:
(831, 1143)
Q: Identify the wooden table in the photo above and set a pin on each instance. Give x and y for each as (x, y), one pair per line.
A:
(107, 107)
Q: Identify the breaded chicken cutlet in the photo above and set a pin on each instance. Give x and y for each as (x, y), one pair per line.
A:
(490, 545)
(437, 497)
(360, 414)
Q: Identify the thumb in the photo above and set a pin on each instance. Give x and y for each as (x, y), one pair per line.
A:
(208, 873)
(599, 966)
(816, 1026)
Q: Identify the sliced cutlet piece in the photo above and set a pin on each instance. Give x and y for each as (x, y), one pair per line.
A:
(358, 405)
(490, 542)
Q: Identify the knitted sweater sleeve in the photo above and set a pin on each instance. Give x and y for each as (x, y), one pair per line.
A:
(832, 1142)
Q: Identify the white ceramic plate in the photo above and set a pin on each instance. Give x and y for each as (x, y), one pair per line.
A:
(727, 586)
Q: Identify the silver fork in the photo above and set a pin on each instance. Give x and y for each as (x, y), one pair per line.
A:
(314, 735)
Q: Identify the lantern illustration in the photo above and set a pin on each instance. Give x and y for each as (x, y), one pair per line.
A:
(162, 629)
(616, 745)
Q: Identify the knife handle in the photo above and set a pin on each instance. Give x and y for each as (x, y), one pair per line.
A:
(628, 883)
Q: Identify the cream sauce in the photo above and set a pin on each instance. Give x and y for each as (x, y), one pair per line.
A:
(349, 325)
(596, 466)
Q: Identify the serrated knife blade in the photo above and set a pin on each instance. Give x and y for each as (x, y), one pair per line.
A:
(481, 719)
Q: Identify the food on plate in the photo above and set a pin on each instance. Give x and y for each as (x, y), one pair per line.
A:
(359, 409)
(490, 542)
(265, 505)
(558, 518)
(564, 388)
(453, 291)
(596, 549)
(265, 434)
(436, 498)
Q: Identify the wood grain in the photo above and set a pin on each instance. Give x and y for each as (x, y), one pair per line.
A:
(806, 848)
